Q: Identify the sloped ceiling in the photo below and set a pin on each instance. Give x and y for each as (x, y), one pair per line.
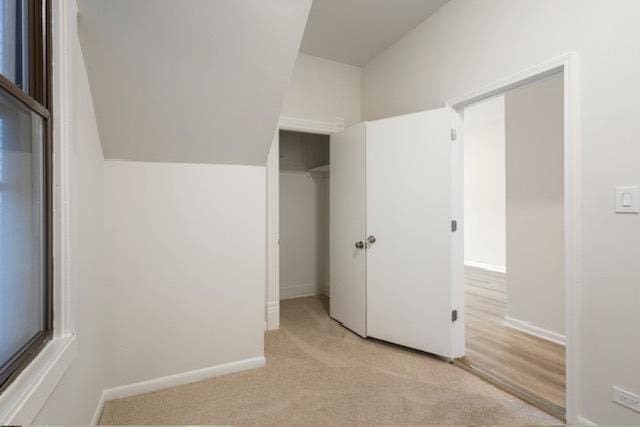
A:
(356, 31)
(193, 81)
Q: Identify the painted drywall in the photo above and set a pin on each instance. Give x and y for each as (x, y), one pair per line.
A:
(484, 185)
(185, 266)
(322, 90)
(75, 399)
(471, 43)
(304, 233)
(173, 81)
(356, 31)
(535, 204)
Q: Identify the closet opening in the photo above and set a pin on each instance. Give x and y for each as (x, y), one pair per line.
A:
(304, 221)
(514, 242)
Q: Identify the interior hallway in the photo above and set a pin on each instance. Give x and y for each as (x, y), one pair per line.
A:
(317, 372)
(532, 367)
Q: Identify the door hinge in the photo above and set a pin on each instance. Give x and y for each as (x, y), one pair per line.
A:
(454, 226)
(454, 315)
(454, 134)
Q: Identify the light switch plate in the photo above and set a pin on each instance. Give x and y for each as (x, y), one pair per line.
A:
(628, 199)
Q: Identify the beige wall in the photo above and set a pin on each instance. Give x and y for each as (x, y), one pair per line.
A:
(535, 211)
(322, 90)
(468, 44)
(304, 233)
(304, 215)
(185, 266)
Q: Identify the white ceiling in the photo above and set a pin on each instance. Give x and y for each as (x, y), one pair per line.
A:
(356, 31)
(192, 81)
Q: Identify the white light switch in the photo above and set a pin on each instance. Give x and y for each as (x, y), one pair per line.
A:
(628, 199)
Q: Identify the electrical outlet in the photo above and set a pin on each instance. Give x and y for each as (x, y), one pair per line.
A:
(625, 398)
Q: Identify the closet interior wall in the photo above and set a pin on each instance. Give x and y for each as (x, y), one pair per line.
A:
(304, 214)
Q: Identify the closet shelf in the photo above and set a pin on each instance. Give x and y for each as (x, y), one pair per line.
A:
(323, 168)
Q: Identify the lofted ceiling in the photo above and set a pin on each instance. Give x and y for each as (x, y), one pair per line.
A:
(356, 31)
(192, 81)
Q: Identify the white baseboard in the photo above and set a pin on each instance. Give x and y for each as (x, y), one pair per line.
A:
(98, 412)
(490, 267)
(273, 315)
(299, 291)
(175, 380)
(530, 329)
(582, 421)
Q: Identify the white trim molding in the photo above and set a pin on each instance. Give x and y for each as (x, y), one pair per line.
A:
(273, 315)
(566, 64)
(21, 402)
(272, 310)
(64, 29)
(489, 267)
(311, 126)
(175, 380)
(25, 397)
(582, 421)
(536, 331)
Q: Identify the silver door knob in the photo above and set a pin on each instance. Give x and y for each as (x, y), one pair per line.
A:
(359, 245)
(371, 239)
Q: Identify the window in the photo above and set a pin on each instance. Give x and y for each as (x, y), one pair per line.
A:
(26, 319)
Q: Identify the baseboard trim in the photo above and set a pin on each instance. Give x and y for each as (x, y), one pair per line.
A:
(585, 422)
(273, 315)
(98, 412)
(490, 267)
(300, 291)
(175, 380)
(530, 329)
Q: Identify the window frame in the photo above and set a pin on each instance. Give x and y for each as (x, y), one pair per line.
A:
(38, 98)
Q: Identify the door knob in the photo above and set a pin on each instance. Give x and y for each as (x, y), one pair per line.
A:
(371, 239)
(359, 245)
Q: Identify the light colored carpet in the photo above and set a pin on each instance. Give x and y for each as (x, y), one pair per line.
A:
(320, 373)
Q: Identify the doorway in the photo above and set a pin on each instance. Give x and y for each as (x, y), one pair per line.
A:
(514, 242)
(565, 66)
(304, 214)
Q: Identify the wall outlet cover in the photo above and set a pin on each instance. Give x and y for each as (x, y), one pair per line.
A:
(625, 398)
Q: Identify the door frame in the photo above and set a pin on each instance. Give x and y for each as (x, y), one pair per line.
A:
(566, 64)
(272, 286)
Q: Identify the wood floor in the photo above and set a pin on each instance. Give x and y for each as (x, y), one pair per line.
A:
(527, 366)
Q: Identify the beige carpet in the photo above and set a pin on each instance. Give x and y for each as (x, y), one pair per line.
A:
(320, 373)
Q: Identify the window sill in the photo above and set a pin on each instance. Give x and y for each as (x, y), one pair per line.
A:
(23, 400)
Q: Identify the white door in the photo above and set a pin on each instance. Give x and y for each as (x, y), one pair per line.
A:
(347, 260)
(409, 267)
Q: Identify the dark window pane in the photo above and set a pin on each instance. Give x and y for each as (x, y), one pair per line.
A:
(22, 227)
(14, 41)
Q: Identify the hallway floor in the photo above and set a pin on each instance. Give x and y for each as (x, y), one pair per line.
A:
(529, 366)
(317, 372)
